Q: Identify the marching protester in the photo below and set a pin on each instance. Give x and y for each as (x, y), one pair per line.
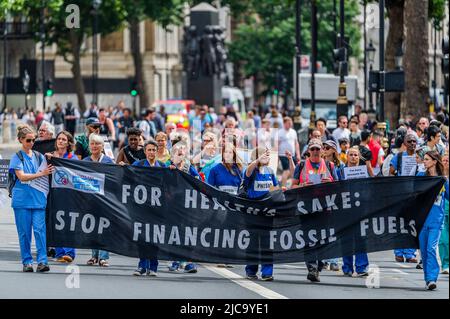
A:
(377, 151)
(313, 170)
(71, 116)
(208, 151)
(321, 125)
(259, 180)
(146, 125)
(106, 125)
(82, 142)
(145, 265)
(361, 260)
(431, 230)
(432, 143)
(96, 145)
(179, 160)
(57, 118)
(163, 154)
(64, 149)
(133, 151)
(443, 241)
(341, 131)
(355, 133)
(344, 144)
(28, 201)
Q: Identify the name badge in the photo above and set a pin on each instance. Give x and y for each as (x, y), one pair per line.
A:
(229, 189)
(263, 186)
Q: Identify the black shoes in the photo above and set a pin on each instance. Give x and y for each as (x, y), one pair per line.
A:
(42, 268)
(313, 276)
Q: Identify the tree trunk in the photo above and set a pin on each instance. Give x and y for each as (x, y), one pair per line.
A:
(394, 41)
(76, 69)
(135, 41)
(416, 58)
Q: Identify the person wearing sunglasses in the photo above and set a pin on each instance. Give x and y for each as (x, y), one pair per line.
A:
(409, 143)
(133, 151)
(314, 170)
(28, 202)
(431, 230)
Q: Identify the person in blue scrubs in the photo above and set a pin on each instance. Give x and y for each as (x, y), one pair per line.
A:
(29, 203)
(64, 146)
(180, 161)
(361, 260)
(431, 230)
(148, 266)
(227, 175)
(259, 180)
(96, 145)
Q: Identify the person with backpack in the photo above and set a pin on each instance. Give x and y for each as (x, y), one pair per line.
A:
(64, 149)
(259, 180)
(145, 265)
(409, 142)
(28, 202)
(314, 170)
(82, 142)
(146, 125)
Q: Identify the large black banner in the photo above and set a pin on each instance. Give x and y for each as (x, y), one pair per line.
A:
(167, 214)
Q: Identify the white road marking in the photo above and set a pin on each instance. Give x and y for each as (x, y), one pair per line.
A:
(403, 265)
(400, 272)
(247, 284)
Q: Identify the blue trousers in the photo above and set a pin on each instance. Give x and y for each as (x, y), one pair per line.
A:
(26, 221)
(100, 254)
(429, 240)
(64, 251)
(361, 263)
(151, 264)
(407, 253)
(266, 269)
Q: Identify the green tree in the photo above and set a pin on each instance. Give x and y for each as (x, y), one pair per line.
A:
(265, 37)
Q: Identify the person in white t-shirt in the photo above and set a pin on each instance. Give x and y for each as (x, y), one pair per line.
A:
(341, 131)
(287, 144)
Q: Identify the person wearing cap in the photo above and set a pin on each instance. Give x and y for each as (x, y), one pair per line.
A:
(82, 142)
(313, 170)
(409, 143)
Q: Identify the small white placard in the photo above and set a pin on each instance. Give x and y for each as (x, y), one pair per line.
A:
(356, 172)
(409, 165)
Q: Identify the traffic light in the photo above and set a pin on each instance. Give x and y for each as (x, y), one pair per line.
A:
(49, 88)
(133, 89)
(445, 53)
(340, 61)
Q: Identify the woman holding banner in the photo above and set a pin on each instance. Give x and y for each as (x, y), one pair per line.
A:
(443, 241)
(29, 200)
(180, 161)
(431, 230)
(64, 146)
(361, 259)
(259, 180)
(96, 145)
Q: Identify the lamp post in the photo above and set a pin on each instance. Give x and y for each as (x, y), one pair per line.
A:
(365, 55)
(43, 54)
(95, 5)
(370, 53)
(314, 26)
(298, 50)
(434, 84)
(399, 57)
(382, 72)
(5, 63)
(26, 86)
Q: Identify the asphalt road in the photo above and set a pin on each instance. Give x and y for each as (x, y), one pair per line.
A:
(388, 279)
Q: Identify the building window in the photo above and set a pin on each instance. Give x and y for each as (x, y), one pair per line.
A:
(112, 42)
(149, 35)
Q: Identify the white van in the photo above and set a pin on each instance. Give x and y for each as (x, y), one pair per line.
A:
(233, 96)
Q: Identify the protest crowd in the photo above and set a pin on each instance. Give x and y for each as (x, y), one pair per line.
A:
(247, 155)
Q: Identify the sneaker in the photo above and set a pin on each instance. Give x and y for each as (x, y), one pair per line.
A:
(51, 252)
(252, 277)
(42, 268)
(419, 265)
(399, 259)
(267, 278)
(348, 274)
(190, 268)
(28, 268)
(334, 267)
(362, 274)
(445, 272)
(431, 285)
(139, 272)
(411, 260)
(152, 273)
(175, 266)
(313, 276)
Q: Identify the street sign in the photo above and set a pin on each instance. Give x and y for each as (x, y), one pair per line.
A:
(4, 166)
(394, 81)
